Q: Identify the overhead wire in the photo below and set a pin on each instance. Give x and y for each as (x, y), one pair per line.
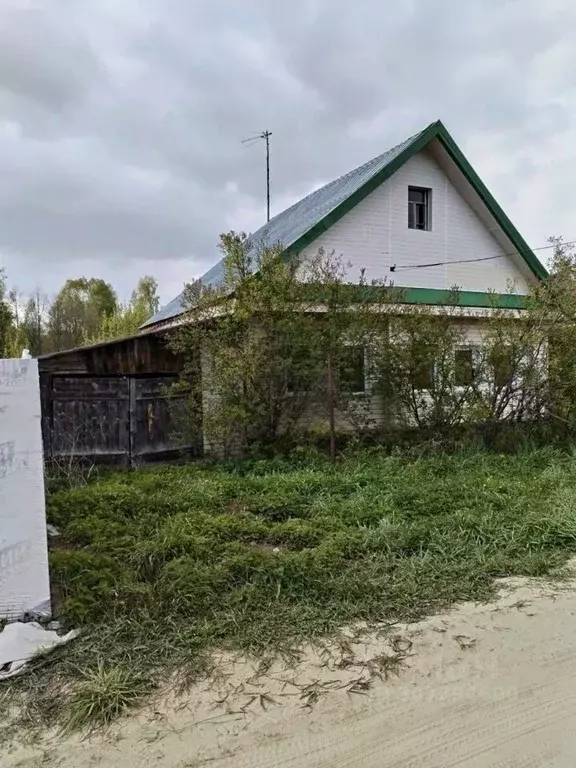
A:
(397, 268)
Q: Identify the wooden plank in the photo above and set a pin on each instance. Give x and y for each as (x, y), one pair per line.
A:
(133, 423)
(140, 355)
(153, 429)
(46, 410)
(90, 417)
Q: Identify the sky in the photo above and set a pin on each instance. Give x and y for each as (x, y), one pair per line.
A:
(121, 123)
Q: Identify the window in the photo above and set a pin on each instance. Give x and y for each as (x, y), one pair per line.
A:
(423, 376)
(463, 367)
(419, 213)
(353, 370)
(502, 365)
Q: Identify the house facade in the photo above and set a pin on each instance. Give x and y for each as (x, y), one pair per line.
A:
(418, 217)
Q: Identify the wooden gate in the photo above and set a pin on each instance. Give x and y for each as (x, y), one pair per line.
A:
(153, 433)
(124, 420)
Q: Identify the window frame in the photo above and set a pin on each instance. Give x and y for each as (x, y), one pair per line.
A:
(495, 371)
(473, 349)
(430, 372)
(355, 392)
(413, 207)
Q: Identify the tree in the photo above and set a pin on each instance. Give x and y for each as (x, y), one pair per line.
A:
(554, 306)
(78, 311)
(274, 341)
(258, 367)
(352, 322)
(415, 366)
(17, 336)
(5, 318)
(36, 313)
(127, 318)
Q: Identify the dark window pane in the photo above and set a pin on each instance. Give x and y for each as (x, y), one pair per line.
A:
(352, 377)
(418, 208)
(501, 360)
(420, 217)
(423, 376)
(301, 374)
(416, 195)
(463, 367)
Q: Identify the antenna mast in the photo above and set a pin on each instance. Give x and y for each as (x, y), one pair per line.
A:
(266, 136)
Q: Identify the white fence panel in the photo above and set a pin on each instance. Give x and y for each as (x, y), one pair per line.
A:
(24, 581)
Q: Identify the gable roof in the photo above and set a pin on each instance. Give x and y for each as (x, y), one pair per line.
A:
(303, 222)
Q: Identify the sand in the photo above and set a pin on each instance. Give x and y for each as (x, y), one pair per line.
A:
(482, 685)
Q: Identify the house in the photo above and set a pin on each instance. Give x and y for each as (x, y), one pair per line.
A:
(417, 216)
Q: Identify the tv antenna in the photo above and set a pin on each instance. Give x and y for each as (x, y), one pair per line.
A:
(266, 136)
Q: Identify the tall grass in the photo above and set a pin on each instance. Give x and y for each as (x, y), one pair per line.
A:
(159, 566)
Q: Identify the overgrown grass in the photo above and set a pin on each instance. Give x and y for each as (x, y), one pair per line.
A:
(162, 564)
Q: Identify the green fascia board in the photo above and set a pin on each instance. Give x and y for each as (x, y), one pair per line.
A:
(433, 131)
(356, 294)
(462, 298)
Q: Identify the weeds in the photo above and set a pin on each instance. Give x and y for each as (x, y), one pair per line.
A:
(105, 693)
(162, 565)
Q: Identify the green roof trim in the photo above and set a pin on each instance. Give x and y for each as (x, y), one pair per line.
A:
(430, 296)
(433, 131)
(463, 298)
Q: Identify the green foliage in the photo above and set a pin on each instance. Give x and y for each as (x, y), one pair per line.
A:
(127, 318)
(78, 310)
(84, 311)
(413, 367)
(5, 318)
(161, 565)
(34, 323)
(253, 348)
(85, 580)
(105, 693)
(275, 340)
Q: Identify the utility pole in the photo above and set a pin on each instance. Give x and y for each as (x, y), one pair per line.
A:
(266, 136)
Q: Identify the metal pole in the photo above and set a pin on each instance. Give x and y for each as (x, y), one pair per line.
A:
(267, 135)
(264, 135)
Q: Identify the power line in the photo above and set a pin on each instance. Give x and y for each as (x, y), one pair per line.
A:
(395, 268)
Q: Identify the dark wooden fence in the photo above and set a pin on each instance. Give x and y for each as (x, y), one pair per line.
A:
(108, 403)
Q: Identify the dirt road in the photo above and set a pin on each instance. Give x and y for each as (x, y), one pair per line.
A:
(481, 686)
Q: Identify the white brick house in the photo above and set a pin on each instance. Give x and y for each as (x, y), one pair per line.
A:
(417, 216)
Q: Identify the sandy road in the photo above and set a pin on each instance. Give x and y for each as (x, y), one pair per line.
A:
(491, 685)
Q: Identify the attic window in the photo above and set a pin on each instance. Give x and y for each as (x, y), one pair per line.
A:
(419, 213)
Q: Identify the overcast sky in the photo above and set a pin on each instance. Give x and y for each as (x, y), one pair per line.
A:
(121, 120)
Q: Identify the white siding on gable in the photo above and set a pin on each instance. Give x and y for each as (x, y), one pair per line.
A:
(374, 235)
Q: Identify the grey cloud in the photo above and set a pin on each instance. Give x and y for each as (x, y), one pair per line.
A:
(43, 58)
(121, 123)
